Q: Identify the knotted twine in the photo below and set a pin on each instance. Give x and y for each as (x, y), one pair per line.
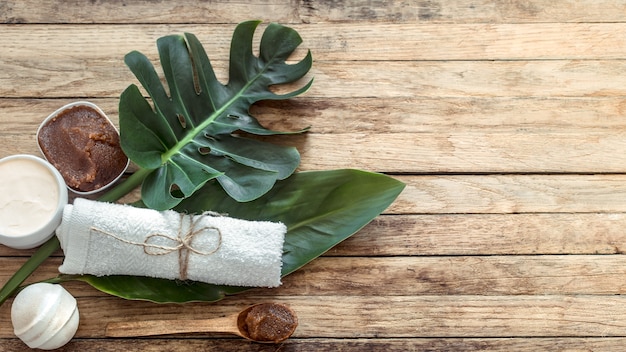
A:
(184, 240)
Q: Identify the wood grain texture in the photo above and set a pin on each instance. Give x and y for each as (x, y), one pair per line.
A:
(347, 41)
(420, 66)
(471, 138)
(511, 194)
(386, 115)
(55, 78)
(188, 11)
(393, 316)
(488, 234)
(469, 152)
(430, 275)
(344, 345)
(467, 235)
(504, 118)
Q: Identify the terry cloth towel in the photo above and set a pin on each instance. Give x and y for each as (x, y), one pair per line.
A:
(100, 239)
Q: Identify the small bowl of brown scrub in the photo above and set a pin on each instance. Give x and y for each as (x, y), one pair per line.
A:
(82, 143)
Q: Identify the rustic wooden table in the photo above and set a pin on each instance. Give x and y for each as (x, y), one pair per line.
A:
(504, 118)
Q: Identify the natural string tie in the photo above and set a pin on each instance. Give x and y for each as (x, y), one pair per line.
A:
(183, 240)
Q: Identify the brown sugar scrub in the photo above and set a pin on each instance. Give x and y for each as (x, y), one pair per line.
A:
(263, 323)
(81, 142)
(268, 322)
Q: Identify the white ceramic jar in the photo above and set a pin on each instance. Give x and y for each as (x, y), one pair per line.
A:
(33, 197)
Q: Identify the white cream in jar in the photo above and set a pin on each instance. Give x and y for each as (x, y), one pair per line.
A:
(32, 198)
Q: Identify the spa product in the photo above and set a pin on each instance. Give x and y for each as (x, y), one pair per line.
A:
(111, 239)
(263, 322)
(44, 316)
(82, 143)
(269, 322)
(33, 197)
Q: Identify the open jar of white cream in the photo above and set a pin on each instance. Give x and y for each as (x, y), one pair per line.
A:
(33, 197)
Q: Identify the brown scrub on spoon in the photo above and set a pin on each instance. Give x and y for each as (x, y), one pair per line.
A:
(268, 322)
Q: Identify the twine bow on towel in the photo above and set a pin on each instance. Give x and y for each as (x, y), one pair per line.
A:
(183, 242)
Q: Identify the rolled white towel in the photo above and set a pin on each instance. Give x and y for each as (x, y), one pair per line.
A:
(101, 239)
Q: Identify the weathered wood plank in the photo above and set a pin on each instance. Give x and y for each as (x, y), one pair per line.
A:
(353, 41)
(86, 78)
(511, 194)
(187, 11)
(37, 71)
(538, 41)
(388, 316)
(490, 275)
(402, 276)
(469, 152)
(493, 79)
(566, 137)
(505, 194)
(597, 344)
(113, 12)
(386, 115)
(488, 234)
(473, 234)
(440, 115)
(461, 11)
(384, 42)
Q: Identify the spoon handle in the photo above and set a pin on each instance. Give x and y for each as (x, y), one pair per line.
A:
(166, 327)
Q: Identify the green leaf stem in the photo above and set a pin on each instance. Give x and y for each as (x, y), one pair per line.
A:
(28, 268)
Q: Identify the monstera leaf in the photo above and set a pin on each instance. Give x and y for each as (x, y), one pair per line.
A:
(189, 136)
(319, 208)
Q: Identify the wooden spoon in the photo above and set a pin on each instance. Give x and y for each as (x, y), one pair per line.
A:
(263, 322)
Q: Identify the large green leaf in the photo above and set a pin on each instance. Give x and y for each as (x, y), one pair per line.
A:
(189, 135)
(319, 208)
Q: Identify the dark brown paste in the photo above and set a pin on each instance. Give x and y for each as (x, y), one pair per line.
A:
(270, 322)
(84, 146)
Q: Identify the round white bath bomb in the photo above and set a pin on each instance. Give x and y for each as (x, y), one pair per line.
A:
(44, 316)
